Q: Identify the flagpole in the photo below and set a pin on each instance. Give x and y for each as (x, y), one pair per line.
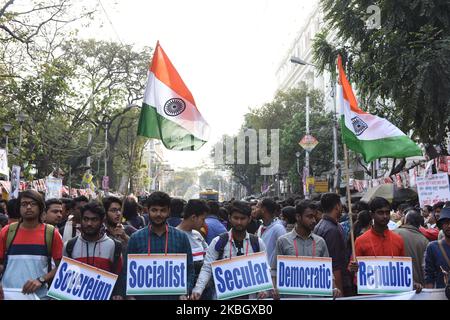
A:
(349, 201)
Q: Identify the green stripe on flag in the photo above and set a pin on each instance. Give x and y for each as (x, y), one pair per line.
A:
(391, 147)
(172, 135)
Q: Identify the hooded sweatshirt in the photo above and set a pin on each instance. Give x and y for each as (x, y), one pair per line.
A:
(98, 253)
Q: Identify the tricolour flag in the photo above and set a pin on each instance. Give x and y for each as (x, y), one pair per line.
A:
(372, 136)
(169, 112)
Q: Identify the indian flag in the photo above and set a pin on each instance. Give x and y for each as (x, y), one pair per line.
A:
(169, 112)
(368, 134)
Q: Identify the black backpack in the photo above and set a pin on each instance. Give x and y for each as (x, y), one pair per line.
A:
(223, 239)
(117, 251)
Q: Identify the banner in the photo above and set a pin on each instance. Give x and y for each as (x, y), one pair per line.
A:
(15, 182)
(304, 275)
(54, 188)
(105, 183)
(241, 275)
(425, 294)
(4, 170)
(321, 186)
(433, 189)
(384, 275)
(310, 186)
(78, 281)
(157, 274)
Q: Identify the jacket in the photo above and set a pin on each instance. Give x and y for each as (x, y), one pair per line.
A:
(415, 245)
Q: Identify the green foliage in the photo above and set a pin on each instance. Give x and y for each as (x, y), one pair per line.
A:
(402, 68)
(89, 86)
(287, 113)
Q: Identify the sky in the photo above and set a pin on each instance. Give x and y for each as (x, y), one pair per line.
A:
(227, 52)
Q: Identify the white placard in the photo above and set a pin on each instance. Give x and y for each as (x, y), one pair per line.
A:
(16, 294)
(78, 281)
(54, 188)
(433, 189)
(241, 275)
(305, 275)
(4, 163)
(157, 274)
(384, 275)
(15, 182)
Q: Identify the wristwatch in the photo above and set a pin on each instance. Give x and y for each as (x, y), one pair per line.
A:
(41, 280)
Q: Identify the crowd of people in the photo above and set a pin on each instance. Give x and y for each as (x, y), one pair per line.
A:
(36, 234)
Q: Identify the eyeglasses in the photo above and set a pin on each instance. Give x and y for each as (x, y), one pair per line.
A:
(25, 204)
(114, 210)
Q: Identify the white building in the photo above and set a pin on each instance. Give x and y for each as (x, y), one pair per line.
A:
(290, 75)
(154, 157)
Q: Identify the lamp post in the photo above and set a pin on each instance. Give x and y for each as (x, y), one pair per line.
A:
(297, 60)
(297, 155)
(21, 117)
(7, 127)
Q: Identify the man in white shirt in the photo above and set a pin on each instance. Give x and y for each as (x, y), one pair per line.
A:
(236, 242)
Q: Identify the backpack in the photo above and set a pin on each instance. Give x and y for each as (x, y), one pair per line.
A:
(117, 251)
(49, 233)
(223, 239)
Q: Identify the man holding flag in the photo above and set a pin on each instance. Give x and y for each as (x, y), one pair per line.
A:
(372, 136)
(168, 111)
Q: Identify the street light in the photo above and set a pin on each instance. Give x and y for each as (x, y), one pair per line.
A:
(21, 117)
(300, 61)
(7, 127)
(297, 154)
(297, 60)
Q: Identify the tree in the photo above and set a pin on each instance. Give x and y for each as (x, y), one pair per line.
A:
(287, 113)
(209, 179)
(90, 86)
(180, 182)
(400, 68)
(26, 24)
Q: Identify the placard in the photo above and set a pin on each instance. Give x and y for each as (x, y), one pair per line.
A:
(157, 274)
(15, 182)
(54, 188)
(16, 294)
(75, 280)
(241, 275)
(384, 275)
(305, 275)
(4, 163)
(433, 189)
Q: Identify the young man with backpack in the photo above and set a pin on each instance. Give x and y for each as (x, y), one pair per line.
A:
(27, 248)
(236, 242)
(93, 246)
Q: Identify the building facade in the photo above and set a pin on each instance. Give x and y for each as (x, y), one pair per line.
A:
(291, 75)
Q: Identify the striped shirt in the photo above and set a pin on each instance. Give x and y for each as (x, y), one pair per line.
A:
(27, 257)
(99, 254)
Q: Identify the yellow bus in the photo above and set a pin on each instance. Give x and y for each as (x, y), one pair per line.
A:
(209, 194)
